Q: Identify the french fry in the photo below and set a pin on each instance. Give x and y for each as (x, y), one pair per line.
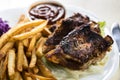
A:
(20, 56)
(25, 62)
(27, 38)
(46, 32)
(38, 42)
(33, 59)
(25, 77)
(4, 68)
(32, 43)
(32, 32)
(30, 70)
(21, 19)
(5, 48)
(38, 35)
(17, 76)
(26, 20)
(25, 42)
(21, 77)
(1, 64)
(44, 70)
(11, 63)
(1, 67)
(15, 30)
(38, 77)
(26, 25)
(5, 76)
(39, 51)
(35, 70)
(29, 78)
(28, 54)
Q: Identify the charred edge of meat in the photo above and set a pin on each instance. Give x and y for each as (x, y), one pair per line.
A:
(70, 63)
(94, 27)
(55, 26)
(80, 48)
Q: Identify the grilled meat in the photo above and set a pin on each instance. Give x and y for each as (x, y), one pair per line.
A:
(80, 48)
(66, 26)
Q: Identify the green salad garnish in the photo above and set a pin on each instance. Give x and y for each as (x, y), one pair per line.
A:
(102, 26)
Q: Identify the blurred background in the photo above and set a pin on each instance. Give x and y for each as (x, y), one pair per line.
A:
(106, 10)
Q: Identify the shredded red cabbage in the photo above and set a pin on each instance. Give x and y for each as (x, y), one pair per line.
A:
(4, 27)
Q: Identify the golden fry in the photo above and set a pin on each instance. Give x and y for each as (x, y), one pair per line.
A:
(21, 77)
(39, 48)
(5, 48)
(21, 19)
(25, 62)
(25, 34)
(32, 43)
(26, 77)
(28, 54)
(4, 68)
(20, 56)
(1, 64)
(38, 35)
(46, 32)
(17, 76)
(11, 63)
(33, 59)
(25, 42)
(22, 27)
(26, 20)
(15, 30)
(38, 42)
(35, 70)
(31, 33)
(38, 77)
(5, 76)
(44, 70)
(29, 78)
(1, 67)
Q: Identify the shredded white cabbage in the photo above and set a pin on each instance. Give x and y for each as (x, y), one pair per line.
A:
(62, 73)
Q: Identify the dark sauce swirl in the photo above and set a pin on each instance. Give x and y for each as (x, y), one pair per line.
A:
(48, 11)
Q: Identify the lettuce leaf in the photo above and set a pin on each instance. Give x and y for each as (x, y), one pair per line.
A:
(102, 26)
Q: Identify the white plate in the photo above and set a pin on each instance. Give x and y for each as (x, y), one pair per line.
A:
(12, 15)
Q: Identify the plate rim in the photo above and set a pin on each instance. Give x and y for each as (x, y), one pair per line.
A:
(86, 11)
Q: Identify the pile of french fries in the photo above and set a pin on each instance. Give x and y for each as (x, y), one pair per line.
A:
(21, 51)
